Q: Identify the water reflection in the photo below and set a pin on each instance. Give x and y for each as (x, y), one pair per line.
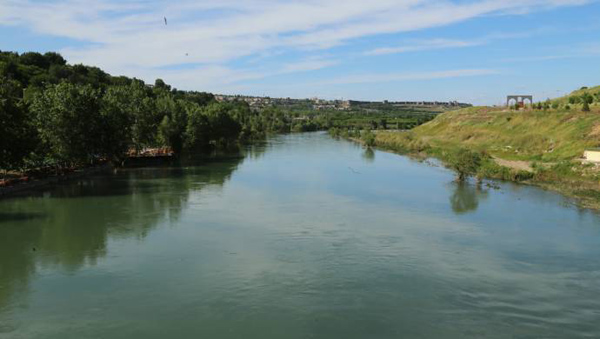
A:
(466, 197)
(297, 245)
(69, 226)
(368, 155)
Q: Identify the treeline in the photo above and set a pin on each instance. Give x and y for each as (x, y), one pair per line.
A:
(56, 114)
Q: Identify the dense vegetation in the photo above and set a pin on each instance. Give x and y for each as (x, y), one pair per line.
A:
(56, 115)
(53, 114)
(399, 118)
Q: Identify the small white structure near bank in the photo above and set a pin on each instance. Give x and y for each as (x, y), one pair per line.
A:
(592, 155)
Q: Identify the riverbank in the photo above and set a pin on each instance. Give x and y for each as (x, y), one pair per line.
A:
(542, 148)
(32, 183)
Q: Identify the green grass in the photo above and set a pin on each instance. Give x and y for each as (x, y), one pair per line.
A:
(544, 136)
(551, 141)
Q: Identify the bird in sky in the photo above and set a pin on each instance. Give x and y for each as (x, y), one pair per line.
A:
(165, 20)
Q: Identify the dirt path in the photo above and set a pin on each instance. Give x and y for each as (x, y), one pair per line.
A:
(516, 164)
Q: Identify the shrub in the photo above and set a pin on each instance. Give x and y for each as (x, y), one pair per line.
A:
(465, 163)
(368, 138)
(586, 107)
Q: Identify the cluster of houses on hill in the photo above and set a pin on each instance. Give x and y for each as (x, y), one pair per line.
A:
(322, 104)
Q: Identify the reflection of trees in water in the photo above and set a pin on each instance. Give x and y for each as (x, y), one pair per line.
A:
(72, 228)
(369, 155)
(466, 197)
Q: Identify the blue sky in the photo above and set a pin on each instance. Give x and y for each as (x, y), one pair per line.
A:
(474, 51)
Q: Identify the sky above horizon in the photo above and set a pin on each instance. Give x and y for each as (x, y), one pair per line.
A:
(475, 51)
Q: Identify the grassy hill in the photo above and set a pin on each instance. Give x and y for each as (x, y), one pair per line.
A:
(542, 147)
(543, 136)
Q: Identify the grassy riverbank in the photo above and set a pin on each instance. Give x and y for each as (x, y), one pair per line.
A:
(541, 147)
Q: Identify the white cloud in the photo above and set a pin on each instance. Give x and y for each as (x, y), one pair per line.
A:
(124, 37)
(424, 46)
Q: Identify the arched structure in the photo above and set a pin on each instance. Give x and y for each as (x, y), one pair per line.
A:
(519, 99)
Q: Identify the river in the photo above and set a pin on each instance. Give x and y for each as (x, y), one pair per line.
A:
(303, 236)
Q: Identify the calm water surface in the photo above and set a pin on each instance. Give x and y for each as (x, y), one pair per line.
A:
(303, 237)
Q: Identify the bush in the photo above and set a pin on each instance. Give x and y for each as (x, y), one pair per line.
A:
(586, 107)
(465, 163)
(368, 138)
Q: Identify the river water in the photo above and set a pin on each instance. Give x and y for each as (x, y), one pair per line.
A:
(304, 236)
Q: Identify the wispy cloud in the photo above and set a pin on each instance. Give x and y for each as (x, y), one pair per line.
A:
(440, 43)
(580, 51)
(126, 37)
(424, 46)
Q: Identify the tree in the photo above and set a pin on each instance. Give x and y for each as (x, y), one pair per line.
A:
(223, 128)
(17, 135)
(587, 98)
(174, 122)
(141, 107)
(586, 107)
(159, 84)
(54, 58)
(34, 59)
(465, 163)
(117, 122)
(197, 132)
(368, 138)
(68, 119)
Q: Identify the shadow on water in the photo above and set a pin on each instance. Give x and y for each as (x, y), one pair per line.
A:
(70, 226)
(5, 218)
(466, 197)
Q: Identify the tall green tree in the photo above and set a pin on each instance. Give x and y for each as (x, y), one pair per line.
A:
(17, 135)
(69, 122)
(171, 130)
(197, 133)
(117, 122)
(224, 129)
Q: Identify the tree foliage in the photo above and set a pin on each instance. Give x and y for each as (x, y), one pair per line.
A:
(465, 163)
(56, 114)
(17, 136)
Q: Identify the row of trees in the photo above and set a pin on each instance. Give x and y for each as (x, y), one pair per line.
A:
(54, 114)
(585, 100)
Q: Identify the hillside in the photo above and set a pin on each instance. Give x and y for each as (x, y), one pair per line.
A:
(545, 136)
(542, 147)
(574, 97)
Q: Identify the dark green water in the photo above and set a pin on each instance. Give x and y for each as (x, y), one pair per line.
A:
(304, 237)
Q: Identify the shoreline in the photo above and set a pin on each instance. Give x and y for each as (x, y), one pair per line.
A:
(34, 184)
(583, 193)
